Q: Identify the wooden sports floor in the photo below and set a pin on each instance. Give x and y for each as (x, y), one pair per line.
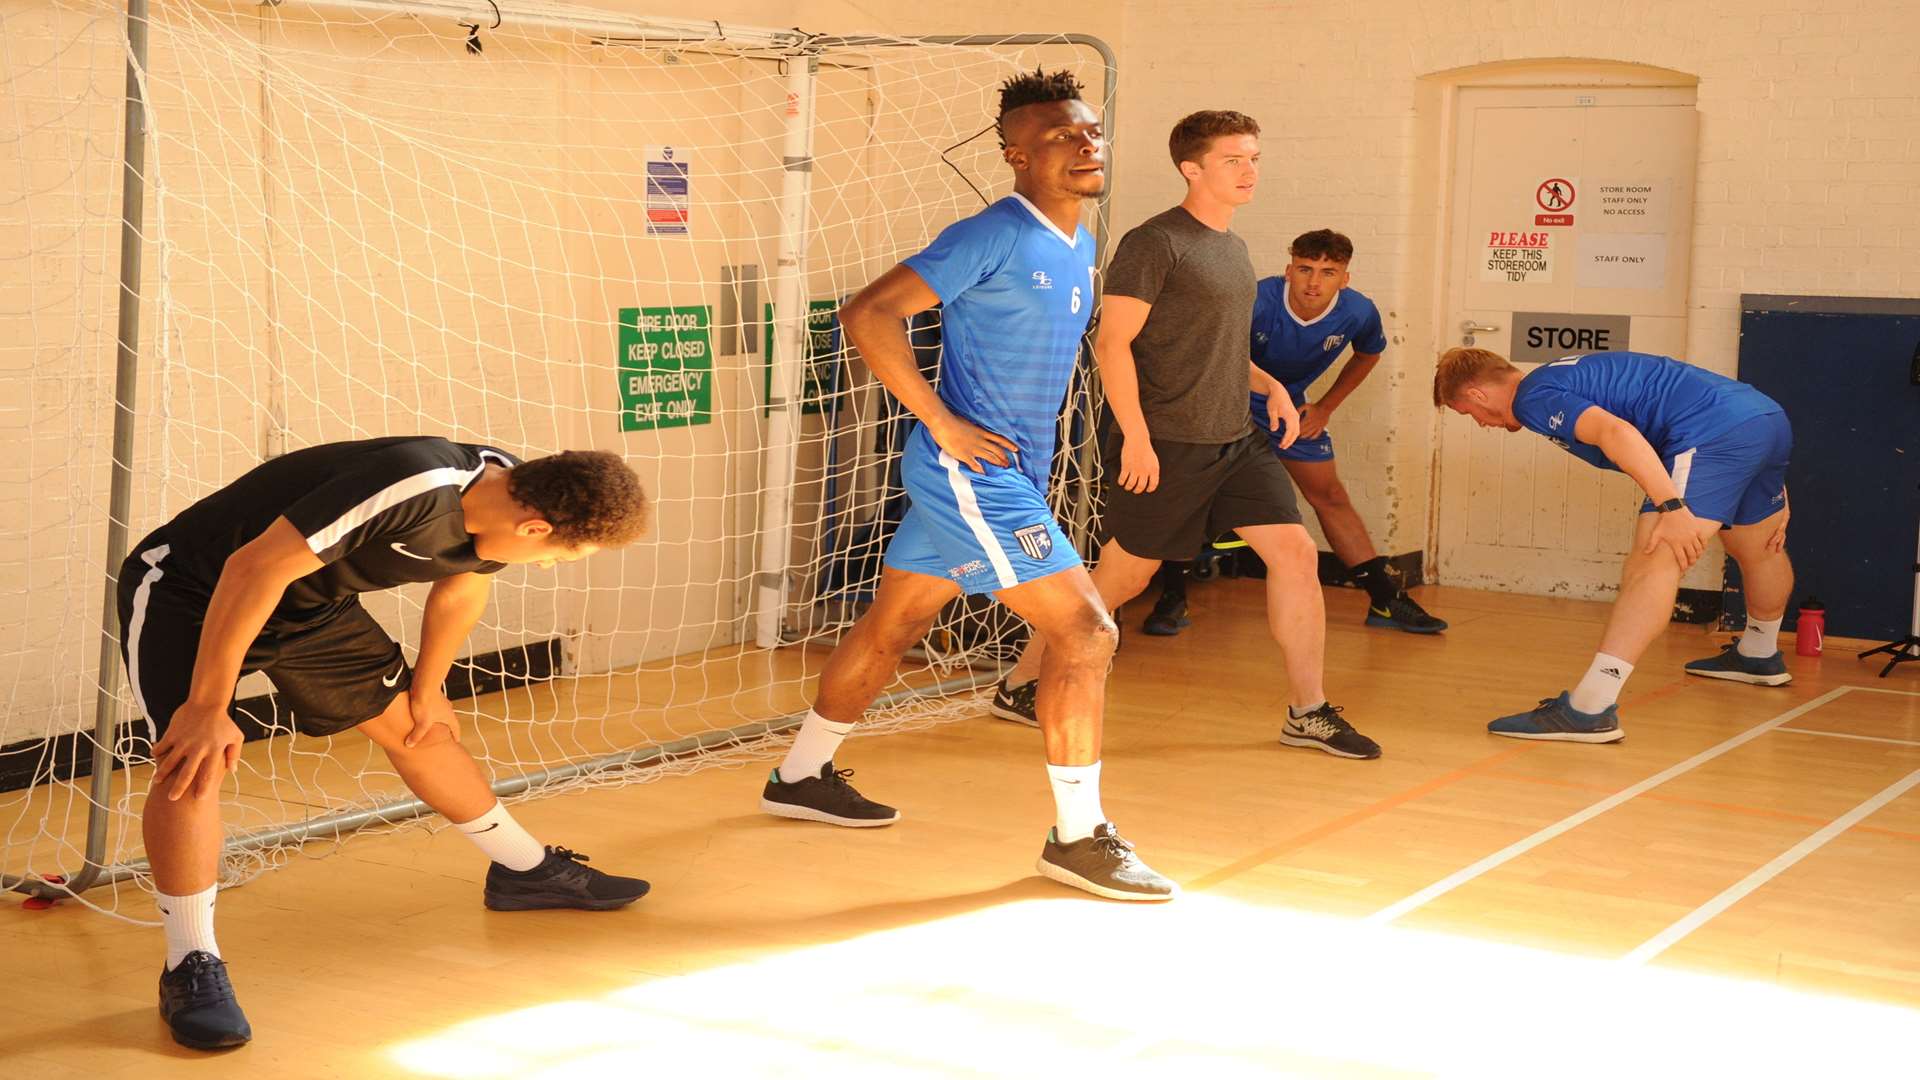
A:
(1732, 891)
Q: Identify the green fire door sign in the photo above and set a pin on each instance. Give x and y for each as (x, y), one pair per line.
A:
(820, 381)
(666, 367)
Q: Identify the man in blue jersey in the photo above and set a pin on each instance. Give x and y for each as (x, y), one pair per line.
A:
(1303, 320)
(1711, 455)
(1015, 285)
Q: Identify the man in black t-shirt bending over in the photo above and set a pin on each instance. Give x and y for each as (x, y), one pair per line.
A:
(265, 575)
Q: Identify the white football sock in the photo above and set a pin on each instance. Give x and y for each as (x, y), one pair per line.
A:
(188, 921)
(1076, 800)
(1601, 686)
(1761, 639)
(505, 842)
(819, 738)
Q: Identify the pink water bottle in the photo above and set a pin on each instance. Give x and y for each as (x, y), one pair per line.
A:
(1811, 629)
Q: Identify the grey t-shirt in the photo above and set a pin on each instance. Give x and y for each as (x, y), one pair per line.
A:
(1192, 353)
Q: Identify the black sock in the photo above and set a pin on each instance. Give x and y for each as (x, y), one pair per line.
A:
(1372, 576)
(1173, 580)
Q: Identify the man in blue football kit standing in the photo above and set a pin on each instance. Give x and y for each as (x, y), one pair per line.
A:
(1015, 283)
(1303, 320)
(1711, 455)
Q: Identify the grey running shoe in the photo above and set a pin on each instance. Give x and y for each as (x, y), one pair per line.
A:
(1104, 865)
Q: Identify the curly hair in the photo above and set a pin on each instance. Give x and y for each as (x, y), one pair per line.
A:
(1035, 87)
(1462, 367)
(1196, 131)
(1322, 244)
(588, 496)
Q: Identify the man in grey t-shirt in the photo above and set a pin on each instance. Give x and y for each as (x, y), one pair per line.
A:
(1185, 463)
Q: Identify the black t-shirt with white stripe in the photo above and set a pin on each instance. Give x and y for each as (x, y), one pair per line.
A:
(378, 513)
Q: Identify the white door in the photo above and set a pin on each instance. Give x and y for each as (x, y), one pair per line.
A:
(1570, 232)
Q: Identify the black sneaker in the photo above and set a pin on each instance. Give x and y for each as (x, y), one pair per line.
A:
(1169, 616)
(562, 880)
(827, 797)
(1016, 703)
(197, 1002)
(1323, 729)
(1104, 865)
(1402, 613)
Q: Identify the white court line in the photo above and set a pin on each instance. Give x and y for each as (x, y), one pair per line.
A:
(1567, 824)
(1844, 735)
(1886, 690)
(1693, 920)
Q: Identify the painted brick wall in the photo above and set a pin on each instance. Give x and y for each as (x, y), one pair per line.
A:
(1809, 175)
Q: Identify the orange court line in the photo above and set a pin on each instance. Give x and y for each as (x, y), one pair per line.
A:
(1347, 821)
(1678, 800)
(1651, 696)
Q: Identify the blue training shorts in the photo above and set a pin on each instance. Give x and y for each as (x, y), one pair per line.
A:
(986, 531)
(1315, 449)
(1738, 477)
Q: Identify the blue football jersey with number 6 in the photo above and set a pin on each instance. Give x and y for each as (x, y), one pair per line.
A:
(1016, 294)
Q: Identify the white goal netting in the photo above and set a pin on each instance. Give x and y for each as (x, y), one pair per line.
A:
(563, 231)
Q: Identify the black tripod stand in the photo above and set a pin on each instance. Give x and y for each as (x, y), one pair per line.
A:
(1907, 649)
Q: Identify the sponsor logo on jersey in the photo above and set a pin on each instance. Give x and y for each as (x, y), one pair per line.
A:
(402, 549)
(1035, 540)
(1333, 342)
(1556, 420)
(959, 572)
(1041, 280)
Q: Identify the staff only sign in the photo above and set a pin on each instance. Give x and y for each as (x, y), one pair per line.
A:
(1518, 258)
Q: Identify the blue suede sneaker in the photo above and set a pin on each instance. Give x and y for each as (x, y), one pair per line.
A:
(1730, 664)
(1558, 720)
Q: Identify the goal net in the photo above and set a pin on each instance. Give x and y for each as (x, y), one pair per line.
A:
(552, 228)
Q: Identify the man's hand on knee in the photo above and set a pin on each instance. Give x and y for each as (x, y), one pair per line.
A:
(201, 744)
(434, 721)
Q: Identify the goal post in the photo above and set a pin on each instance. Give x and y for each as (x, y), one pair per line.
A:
(531, 225)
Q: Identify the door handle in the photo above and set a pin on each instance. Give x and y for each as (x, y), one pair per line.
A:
(1471, 327)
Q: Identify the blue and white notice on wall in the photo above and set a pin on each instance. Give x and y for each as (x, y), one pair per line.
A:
(669, 191)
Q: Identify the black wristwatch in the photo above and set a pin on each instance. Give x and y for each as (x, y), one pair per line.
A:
(1670, 506)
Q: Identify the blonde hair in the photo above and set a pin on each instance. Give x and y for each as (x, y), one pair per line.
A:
(1460, 368)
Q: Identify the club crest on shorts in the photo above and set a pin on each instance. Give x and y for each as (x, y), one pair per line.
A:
(1035, 540)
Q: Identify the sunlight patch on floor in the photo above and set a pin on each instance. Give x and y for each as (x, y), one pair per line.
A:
(1202, 987)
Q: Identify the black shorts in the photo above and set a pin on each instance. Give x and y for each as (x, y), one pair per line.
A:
(332, 673)
(1204, 491)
